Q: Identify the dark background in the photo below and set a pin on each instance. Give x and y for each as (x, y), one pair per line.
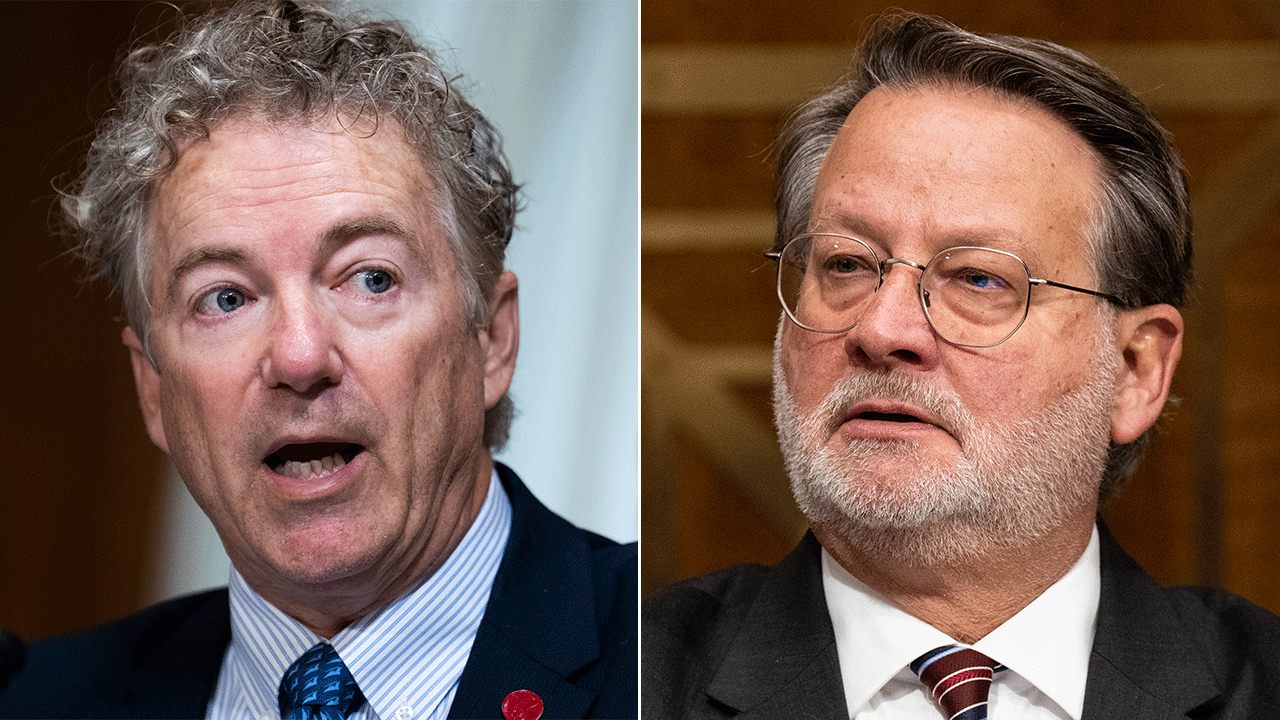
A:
(80, 487)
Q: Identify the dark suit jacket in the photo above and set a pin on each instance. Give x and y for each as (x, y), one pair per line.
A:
(561, 621)
(756, 642)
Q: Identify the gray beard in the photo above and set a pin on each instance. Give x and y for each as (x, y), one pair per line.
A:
(1014, 482)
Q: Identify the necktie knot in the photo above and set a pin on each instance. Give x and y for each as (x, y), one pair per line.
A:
(318, 686)
(959, 679)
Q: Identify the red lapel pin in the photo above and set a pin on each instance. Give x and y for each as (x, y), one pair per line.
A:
(522, 705)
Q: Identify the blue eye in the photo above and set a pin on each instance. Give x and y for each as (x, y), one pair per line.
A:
(982, 280)
(230, 299)
(222, 300)
(375, 280)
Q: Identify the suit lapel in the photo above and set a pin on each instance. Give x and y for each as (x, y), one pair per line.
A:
(782, 663)
(178, 677)
(539, 625)
(538, 629)
(1144, 664)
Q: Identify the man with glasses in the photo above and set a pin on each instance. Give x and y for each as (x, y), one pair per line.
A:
(982, 242)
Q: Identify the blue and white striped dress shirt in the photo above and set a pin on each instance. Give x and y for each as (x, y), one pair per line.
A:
(406, 658)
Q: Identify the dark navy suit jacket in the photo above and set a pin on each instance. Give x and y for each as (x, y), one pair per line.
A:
(561, 621)
(756, 642)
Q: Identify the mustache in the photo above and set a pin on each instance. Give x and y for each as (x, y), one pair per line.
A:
(851, 390)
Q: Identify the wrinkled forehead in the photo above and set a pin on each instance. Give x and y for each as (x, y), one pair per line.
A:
(251, 157)
(964, 166)
(963, 124)
(251, 177)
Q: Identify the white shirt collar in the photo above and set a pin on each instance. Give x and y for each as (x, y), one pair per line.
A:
(1049, 641)
(875, 640)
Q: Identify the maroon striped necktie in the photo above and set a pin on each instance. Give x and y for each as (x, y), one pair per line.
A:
(959, 678)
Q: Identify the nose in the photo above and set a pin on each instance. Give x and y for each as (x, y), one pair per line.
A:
(301, 352)
(893, 329)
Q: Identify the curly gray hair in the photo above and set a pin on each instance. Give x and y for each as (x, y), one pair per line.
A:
(289, 61)
(1141, 236)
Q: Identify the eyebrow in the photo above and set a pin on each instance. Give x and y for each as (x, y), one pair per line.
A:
(345, 232)
(331, 240)
(863, 228)
(845, 222)
(203, 256)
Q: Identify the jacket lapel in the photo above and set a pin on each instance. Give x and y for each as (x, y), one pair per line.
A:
(782, 662)
(176, 679)
(538, 629)
(539, 626)
(1145, 663)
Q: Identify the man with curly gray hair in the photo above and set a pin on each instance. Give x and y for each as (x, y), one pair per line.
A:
(306, 223)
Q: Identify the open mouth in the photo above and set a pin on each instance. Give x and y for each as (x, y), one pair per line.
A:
(307, 460)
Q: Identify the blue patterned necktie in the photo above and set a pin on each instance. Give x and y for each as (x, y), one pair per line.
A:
(318, 686)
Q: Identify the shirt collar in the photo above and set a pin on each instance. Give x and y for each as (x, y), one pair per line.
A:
(1062, 619)
(429, 629)
(875, 640)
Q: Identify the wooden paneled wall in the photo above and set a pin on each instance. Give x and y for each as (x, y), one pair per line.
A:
(719, 77)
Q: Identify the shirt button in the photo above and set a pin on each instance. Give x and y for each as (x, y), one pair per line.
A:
(404, 712)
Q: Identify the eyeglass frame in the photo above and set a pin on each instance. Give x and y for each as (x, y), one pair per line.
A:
(776, 256)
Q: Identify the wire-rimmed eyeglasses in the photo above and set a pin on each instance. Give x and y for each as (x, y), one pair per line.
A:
(972, 296)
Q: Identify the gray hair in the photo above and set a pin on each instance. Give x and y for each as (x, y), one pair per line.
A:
(289, 61)
(1140, 239)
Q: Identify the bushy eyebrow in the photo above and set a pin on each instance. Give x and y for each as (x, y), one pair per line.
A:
(331, 240)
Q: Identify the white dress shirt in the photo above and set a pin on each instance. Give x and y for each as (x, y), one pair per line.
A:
(1045, 647)
(406, 658)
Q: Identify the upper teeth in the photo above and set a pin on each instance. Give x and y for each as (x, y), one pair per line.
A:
(304, 470)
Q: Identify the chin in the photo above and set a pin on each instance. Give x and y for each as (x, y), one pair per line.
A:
(318, 557)
(883, 491)
(320, 571)
(894, 518)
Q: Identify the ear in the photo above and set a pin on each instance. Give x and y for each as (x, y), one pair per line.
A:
(500, 341)
(1150, 340)
(147, 380)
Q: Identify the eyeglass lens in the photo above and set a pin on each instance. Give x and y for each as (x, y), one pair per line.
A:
(972, 296)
